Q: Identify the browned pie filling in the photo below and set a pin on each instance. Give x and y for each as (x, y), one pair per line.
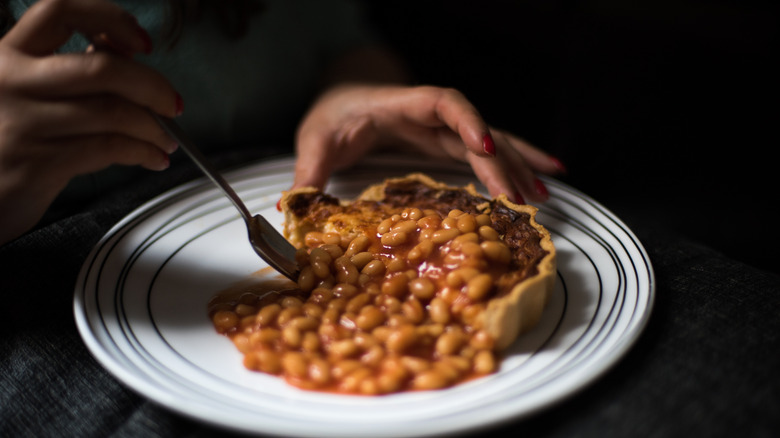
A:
(412, 286)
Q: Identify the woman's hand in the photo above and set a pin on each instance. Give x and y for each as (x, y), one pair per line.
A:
(69, 114)
(349, 120)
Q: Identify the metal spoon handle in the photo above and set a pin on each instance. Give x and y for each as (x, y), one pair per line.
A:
(173, 129)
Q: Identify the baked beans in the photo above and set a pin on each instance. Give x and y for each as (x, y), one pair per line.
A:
(388, 311)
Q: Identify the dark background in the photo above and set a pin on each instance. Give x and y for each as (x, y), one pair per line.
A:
(663, 111)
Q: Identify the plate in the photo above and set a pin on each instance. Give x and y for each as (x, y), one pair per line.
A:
(141, 298)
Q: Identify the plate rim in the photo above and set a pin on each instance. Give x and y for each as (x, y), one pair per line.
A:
(136, 382)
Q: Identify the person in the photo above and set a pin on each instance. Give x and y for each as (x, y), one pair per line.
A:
(67, 114)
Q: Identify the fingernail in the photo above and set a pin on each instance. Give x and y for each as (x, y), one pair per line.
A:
(165, 163)
(558, 165)
(179, 104)
(519, 198)
(541, 188)
(488, 146)
(147, 40)
(279, 205)
(172, 147)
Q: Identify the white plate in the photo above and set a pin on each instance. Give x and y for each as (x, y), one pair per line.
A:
(140, 306)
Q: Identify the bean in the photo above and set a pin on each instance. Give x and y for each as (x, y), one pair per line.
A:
(421, 251)
(388, 303)
(415, 365)
(478, 287)
(413, 311)
(310, 342)
(321, 295)
(320, 268)
(422, 288)
(396, 286)
(413, 213)
(244, 310)
(443, 236)
(394, 238)
(373, 356)
(483, 219)
(264, 360)
(266, 317)
(361, 259)
(346, 272)
(449, 223)
(439, 311)
(391, 381)
(369, 318)
(358, 245)
(344, 367)
(242, 343)
(313, 239)
(496, 251)
(289, 302)
(225, 320)
(374, 268)
(312, 309)
(427, 380)
(484, 362)
(294, 364)
(369, 386)
(357, 302)
(307, 279)
(351, 383)
(458, 277)
(449, 343)
(331, 239)
(291, 336)
(487, 232)
(401, 338)
(286, 315)
(384, 226)
(481, 340)
(430, 222)
(466, 223)
(407, 226)
(304, 323)
(319, 371)
(395, 265)
(335, 251)
(264, 336)
(344, 348)
(471, 249)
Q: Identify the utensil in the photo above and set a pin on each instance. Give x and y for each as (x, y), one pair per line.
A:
(267, 242)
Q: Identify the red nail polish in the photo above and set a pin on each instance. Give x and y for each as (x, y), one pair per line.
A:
(488, 146)
(519, 198)
(540, 188)
(279, 205)
(558, 164)
(179, 104)
(147, 40)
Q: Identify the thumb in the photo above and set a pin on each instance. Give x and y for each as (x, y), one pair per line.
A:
(313, 165)
(47, 25)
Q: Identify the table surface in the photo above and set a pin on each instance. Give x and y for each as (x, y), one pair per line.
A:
(705, 365)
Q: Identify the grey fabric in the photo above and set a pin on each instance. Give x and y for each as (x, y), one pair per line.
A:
(705, 366)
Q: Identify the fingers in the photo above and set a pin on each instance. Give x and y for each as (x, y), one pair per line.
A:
(90, 153)
(48, 24)
(434, 107)
(98, 73)
(95, 115)
(314, 164)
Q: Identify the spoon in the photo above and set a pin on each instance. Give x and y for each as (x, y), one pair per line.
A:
(267, 242)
